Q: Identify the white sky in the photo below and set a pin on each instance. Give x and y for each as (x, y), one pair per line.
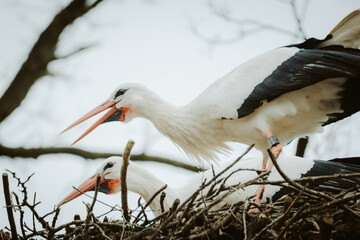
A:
(148, 42)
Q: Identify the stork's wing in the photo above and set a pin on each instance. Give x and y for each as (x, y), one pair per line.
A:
(275, 73)
(287, 69)
(305, 68)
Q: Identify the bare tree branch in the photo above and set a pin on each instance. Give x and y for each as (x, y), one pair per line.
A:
(36, 152)
(247, 26)
(40, 56)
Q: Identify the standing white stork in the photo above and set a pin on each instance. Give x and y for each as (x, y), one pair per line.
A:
(146, 184)
(285, 93)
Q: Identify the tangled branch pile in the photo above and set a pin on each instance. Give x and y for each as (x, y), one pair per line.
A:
(303, 214)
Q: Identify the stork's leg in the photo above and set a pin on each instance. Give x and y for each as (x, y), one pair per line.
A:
(276, 150)
(260, 190)
(274, 144)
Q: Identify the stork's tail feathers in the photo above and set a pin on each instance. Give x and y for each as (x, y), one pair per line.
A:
(331, 167)
(346, 33)
(335, 166)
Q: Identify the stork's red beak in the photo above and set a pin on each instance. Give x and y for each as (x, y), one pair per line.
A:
(113, 114)
(88, 185)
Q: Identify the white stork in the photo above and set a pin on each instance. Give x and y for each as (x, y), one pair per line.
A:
(285, 93)
(146, 184)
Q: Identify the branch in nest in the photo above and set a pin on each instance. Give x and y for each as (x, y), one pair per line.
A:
(9, 206)
(123, 172)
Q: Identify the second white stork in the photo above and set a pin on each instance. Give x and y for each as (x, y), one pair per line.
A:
(146, 184)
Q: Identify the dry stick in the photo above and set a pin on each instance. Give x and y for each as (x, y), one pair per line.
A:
(315, 178)
(294, 184)
(282, 174)
(102, 232)
(103, 203)
(166, 222)
(230, 191)
(19, 206)
(312, 192)
(190, 204)
(287, 211)
(90, 208)
(244, 218)
(279, 219)
(137, 218)
(25, 203)
(123, 171)
(144, 216)
(51, 230)
(217, 225)
(33, 216)
(5, 179)
(143, 233)
(292, 220)
(162, 198)
(332, 203)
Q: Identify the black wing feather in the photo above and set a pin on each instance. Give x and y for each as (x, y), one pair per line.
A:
(331, 167)
(305, 68)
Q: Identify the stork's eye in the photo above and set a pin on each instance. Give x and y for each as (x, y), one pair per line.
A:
(120, 92)
(108, 165)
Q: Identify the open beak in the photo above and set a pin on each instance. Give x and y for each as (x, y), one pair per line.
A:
(113, 114)
(88, 185)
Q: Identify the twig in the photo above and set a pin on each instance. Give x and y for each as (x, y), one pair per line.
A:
(102, 232)
(293, 183)
(33, 216)
(90, 208)
(123, 171)
(143, 233)
(5, 179)
(244, 218)
(221, 222)
(188, 206)
(164, 224)
(298, 20)
(292, 220)
(51, 230)
(332, 203)
(21, 214)
(162, 198)
(279, 221)
(148, 203)
(313, 192)
(87, 195)
(315, 178)
(281, 218)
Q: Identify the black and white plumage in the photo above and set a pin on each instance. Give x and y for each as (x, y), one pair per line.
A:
(142, 181)
(289, 92)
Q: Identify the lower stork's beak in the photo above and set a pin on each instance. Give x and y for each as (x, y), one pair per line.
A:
(88, 185)
(113, 114)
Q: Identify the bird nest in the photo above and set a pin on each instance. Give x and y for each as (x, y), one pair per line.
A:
(302, 214)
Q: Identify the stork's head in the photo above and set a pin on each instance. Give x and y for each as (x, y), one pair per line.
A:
(109, 173)
(124, 104)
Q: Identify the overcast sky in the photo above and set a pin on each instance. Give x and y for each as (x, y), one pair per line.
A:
(148, 42)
